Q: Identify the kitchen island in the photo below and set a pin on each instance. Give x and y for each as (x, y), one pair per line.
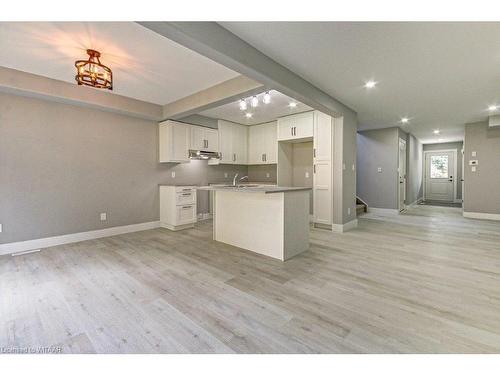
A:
(269, 220)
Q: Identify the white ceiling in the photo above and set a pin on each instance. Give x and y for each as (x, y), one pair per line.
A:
(440, 75)
(146, 66)
(263, 113)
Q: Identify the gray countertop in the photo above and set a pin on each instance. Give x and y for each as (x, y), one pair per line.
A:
(266, 189)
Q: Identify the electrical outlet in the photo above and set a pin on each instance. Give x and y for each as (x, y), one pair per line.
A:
(474, 153)
(379, 169)
(225, 175)
(473, 169)
(173, 174)
(348, 210)
(104, 216)
(307, 174)
(268, 175)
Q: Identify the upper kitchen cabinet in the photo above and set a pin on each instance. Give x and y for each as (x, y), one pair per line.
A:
(204, 139)
(173, 142)
(262, 144)
(233, 140)
(296, 126)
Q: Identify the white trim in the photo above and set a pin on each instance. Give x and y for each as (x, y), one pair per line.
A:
(14, 247)
(341, 228)
(383, 211)
(455, 192)
(481, 215)
(417, 202)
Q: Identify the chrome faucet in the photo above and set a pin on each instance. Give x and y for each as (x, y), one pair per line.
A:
(236, 176)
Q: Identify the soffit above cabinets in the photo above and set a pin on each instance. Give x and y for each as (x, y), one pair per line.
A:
(278, 107)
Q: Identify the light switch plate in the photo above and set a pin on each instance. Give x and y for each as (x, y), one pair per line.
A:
(268, 175)
(104, 216)
(473, 169)
(307, 174)
(473, 162)
(173, 174)
(379, 169)
(225, 175)
(353, 167)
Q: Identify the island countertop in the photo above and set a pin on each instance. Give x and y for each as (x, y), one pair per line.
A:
(265, 189)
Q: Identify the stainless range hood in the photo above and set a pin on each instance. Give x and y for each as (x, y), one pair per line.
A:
(203, 155)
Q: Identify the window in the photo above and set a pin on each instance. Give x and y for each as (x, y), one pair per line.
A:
(439, 166)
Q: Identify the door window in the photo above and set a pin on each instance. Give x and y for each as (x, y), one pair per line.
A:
(439, 166)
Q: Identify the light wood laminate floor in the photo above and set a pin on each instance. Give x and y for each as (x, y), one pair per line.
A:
(427, 281)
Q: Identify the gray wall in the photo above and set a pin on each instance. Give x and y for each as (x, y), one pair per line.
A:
(414, 186)
(349, 155)
(378, 148)
(451, 146)
(482, 188)
(61, 165)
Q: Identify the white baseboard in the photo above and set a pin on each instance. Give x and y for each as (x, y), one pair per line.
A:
(14, 247)
(341, 228)
(417, 202)
(383, 211)
(481, 215)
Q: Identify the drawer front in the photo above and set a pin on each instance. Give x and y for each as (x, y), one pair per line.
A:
(185, 198)
(184, 189)
(186, 214)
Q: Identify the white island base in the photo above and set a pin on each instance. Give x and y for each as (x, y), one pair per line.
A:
(276, 225)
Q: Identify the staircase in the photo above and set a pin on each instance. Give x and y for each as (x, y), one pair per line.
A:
(361, 207)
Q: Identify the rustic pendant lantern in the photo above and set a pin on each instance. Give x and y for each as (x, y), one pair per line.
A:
(92, 73)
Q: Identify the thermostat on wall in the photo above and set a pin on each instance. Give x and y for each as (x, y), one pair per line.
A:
(473, 162)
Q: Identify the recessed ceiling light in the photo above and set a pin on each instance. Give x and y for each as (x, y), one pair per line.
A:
(248, 115)
(254, 102)
(267, 98)
(492, 108)
(405, 120)
(243, 104)
(370, 84)
(292, 105)
(437, 131)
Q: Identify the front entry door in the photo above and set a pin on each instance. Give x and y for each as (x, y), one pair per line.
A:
(440, 176)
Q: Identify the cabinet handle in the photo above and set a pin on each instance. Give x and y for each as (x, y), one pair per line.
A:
(186, 207)
(291, 130)
(234, 157)
(262, 157)
(314, 152)
(186, 189)
(186, 194)
(314, 168)
(265, 157)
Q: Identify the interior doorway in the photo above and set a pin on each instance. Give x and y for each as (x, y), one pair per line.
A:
(402, 175)
(440, 182)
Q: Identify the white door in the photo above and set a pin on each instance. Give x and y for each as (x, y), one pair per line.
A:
(212, 140)
(226, 142)
(440, 176)
(402, 174)
(198, 138)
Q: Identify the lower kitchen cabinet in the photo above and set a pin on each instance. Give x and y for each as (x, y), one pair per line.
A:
(177, 207)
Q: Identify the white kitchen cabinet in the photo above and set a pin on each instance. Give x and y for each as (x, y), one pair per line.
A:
(322, 169)
(177, 207)
(296, 126)
(262, 144)
(173, 142)
(204, 139)
(233, 139)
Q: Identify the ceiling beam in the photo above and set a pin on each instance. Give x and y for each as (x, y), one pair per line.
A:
(31, 85)
(217, 95)
(218, 44)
